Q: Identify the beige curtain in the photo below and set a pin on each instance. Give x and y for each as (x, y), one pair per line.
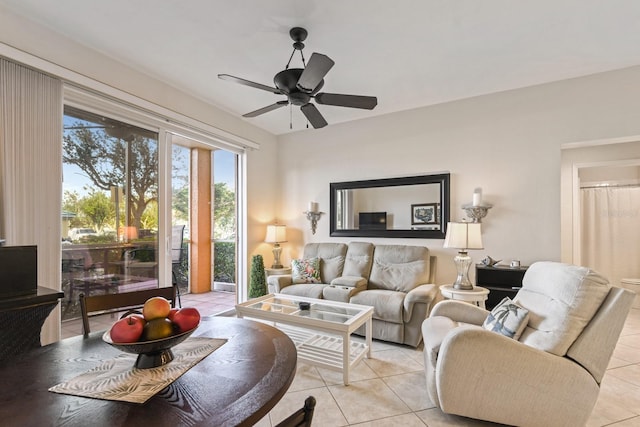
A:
(611, 231)
(31, 170)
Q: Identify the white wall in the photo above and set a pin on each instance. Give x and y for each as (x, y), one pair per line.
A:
(507, 143)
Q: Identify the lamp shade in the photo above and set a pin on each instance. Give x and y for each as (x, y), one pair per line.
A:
(463, 235)
(276, 233)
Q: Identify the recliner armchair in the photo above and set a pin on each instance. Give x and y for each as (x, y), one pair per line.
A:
(551, 375)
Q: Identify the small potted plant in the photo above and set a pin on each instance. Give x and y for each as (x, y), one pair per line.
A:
(257, 280)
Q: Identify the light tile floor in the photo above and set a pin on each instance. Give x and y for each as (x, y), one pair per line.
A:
(389, 389)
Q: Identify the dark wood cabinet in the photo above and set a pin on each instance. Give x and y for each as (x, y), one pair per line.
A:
(22, 317)
(501, 282)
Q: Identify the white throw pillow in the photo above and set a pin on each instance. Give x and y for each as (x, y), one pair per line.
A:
(507, 318)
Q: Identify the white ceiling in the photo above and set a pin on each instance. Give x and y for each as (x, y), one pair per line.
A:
(408, 53)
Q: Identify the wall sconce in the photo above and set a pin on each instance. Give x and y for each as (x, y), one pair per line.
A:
(313, 215)
(476, 210)
(276, 234)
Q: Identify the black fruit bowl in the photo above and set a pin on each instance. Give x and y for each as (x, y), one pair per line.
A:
(151, 354)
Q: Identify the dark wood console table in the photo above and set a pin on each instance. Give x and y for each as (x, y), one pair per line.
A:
(501, 282)
(22, 317)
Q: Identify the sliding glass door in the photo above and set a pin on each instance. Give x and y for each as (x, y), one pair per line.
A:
(203, 192)
(109, 207)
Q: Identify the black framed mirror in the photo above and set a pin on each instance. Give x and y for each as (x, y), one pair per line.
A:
(414, 206)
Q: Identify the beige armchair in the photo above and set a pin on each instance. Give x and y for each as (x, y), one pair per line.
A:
(551, 375)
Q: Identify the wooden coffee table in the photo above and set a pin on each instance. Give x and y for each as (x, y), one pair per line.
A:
(322, 333)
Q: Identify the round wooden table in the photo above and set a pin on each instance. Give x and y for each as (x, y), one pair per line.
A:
(236, 385)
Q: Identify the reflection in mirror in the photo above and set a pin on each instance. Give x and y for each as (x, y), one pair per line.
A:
(396, 207)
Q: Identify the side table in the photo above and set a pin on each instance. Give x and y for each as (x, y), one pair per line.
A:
(277, 271)
(477, 295)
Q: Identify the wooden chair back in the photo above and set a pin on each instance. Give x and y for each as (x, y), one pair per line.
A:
(302, 417)
(114, 303)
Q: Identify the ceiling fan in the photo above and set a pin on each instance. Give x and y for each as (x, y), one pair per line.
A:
(300, 85)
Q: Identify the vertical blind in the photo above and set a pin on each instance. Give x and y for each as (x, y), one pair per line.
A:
(31, 169)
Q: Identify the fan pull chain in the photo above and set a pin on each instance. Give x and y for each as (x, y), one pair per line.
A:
(290, 117)
(304, 64)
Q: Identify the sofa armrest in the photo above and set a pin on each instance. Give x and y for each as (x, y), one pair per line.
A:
(343, 288)
(276, 283)
(494, 368)
(350, 281)
(422, 294)
(459, 311)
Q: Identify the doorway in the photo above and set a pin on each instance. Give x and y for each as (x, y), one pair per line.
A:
(204, 206)
(610, 220)
(601, 207)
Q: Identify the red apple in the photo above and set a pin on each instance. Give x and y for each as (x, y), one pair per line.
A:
(127, 330)
(186, 318)
(155, 308)
(172, 313)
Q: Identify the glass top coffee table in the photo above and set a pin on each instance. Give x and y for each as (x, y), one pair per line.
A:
(320, 329)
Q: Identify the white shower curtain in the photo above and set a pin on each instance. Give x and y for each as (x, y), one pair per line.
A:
(611, 231)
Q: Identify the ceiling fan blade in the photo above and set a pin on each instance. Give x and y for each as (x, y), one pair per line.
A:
(248, 83)
(317, 67)
(266, 109)
(313, 115)
(351, 101)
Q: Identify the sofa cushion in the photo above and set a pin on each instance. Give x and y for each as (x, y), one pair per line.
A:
(358, 260)
(507, 318)
(332, 258)
(561, 300)
(399, 268)
(309, 290)
(305, 270)
(387, 305)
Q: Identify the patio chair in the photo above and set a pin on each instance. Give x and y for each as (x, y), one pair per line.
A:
(114, 303)
(302, 417)
(177, 239)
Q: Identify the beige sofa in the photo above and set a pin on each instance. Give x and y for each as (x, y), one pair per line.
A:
(551, 374)
(396, 280)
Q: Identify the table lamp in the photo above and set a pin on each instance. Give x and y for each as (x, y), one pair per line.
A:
(276, 234)
(463, 236)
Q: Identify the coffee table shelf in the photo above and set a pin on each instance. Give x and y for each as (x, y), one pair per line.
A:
(323, 350)
(322, 334)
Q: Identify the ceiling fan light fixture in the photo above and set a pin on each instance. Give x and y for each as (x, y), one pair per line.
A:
(301, 85)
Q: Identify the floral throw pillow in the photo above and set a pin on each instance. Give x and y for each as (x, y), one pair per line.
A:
(305, 270)
(507, 318)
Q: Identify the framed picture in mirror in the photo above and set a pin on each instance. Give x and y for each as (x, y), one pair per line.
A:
(425, 213)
